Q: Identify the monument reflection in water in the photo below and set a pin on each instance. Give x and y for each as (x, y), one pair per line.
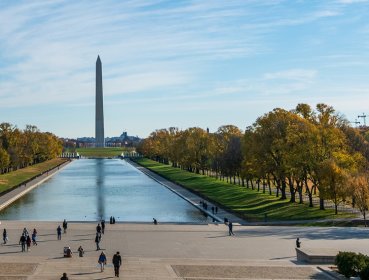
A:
(91, 189)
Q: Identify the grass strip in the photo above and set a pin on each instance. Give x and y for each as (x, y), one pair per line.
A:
(246, 203)
(13, 179)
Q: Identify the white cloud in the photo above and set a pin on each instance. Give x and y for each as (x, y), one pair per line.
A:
(292, 74)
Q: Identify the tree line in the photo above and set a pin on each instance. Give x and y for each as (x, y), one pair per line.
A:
(21, 148)
(300, 151)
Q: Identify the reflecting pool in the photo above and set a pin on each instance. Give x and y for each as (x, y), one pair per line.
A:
(91, 189)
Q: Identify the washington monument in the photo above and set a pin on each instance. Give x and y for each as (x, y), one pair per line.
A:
(99, 124)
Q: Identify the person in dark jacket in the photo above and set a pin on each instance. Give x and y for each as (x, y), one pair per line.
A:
(65, 226)
(230, 228)
(58, 231)
(5, 236)
(103, 226)
(97, 241)
(64, 277)
(117, 261)
(23, 241)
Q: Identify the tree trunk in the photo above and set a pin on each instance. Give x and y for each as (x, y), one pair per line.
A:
(258, 182)
(292, 190)
(353, 201)
(252, 185)
(264, 185)
(364, 218)
(278, 186)
(299, 189)
(321, 204)
(310, 193)
(269, 186)
(283, 190)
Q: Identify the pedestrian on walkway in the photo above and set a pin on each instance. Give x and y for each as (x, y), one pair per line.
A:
(58, 231)
(298, 243)
(97, 241)
(230, 228)
(25, 232)
(28, 242)
(216, 209)
(5, 236)
(22, 241)
(34, 237)
(103, 226)
(81, 252)
(155, 221)
(117, 261)
(65, 226)
(111, 220)
(102, 261)
(98, 229)
(64, 277)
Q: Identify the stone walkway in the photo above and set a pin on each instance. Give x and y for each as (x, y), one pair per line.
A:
(167, 251)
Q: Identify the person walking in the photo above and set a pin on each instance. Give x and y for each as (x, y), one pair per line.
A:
(25, 232)
(81, 252)
(5, 236)
(28, 241)
(117, 261)
(102, 261)
(58, 231)
(98, 229)
(97, 241)
(298, 243)
(230, 228)
(103, 226)
(23, 241)
(34, 237)
(65, 226)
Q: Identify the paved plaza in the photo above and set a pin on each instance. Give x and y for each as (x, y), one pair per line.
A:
(169, 251)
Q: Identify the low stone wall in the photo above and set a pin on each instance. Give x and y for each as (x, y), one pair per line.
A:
(316, 256)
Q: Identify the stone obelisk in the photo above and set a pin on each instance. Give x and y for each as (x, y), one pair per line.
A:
(99, 125)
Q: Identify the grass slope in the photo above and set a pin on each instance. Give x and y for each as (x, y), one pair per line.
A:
(14, 178)
(101, 152)
(247, 203)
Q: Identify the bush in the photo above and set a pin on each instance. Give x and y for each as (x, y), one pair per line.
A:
(352, 264)
(346, 263)
(364, 274)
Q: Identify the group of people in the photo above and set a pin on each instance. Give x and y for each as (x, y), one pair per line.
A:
(117, 262)
(25, 240)
(59, 230)
(204, 204)
(112, 220)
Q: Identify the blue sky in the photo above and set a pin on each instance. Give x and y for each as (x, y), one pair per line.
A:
(179, 63)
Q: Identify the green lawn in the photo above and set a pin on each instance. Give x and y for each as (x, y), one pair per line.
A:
(246, 203)
(14, 178)
(101, 152)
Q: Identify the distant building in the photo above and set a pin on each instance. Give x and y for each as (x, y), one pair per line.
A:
(124, 140)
